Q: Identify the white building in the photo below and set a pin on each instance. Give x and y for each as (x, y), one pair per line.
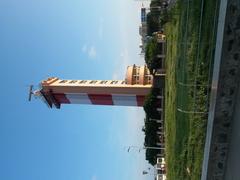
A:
(160, 169)
(143, 30)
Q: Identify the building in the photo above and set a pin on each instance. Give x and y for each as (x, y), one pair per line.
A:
(143, 15)
(144, 37)
(160, 169)
(143, 30)
(129, 92)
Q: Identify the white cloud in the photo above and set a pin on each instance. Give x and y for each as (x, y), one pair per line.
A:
(92, 52)
(115, 76)
(94, 177)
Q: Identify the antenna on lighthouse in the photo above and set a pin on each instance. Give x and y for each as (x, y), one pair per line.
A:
(30, 93)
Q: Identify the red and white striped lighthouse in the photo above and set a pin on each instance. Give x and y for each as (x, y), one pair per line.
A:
(129, 92)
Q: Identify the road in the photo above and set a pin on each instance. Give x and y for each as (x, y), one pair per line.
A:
(233, 162)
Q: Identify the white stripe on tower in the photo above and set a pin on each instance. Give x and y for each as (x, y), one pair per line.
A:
(81, 98)
(124, 100)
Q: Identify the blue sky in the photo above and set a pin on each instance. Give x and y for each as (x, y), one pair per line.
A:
(74, 39)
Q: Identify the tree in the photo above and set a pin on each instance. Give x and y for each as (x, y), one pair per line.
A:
(151, 127)
(151, 55)
(152, 22)
(164, 17)
(151, 139)
(151, 156)
(155, 3)
(151, 104)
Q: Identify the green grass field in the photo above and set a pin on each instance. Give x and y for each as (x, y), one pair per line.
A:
(190, 51)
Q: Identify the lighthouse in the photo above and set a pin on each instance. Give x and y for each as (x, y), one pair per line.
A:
(128, 92)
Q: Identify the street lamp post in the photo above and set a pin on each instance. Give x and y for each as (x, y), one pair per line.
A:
(145, 147)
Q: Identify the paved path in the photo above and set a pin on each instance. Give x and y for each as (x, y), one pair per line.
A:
(215, 79)
(233, 162)
(222, 148)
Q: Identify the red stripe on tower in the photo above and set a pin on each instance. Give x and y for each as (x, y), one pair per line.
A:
(61, 98)
(140, 100)
(101, 99)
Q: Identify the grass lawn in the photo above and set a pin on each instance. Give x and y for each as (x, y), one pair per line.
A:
(190, 51)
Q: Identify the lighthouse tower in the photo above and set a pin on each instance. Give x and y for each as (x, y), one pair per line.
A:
(129, 92)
